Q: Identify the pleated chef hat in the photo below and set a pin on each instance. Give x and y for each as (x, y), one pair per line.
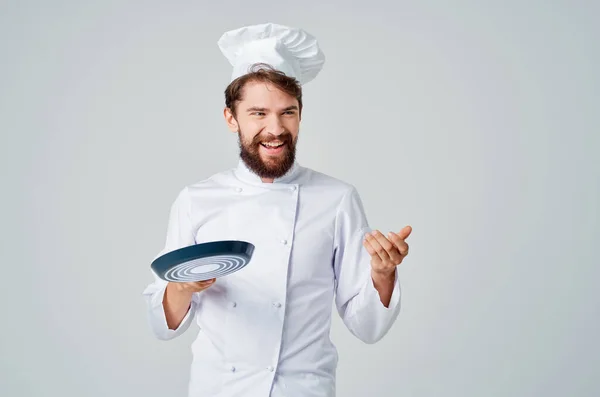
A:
(292, 51)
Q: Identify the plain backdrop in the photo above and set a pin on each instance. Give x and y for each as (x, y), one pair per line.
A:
(475, 122)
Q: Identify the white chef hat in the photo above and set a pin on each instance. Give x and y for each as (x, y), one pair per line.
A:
(292, 51)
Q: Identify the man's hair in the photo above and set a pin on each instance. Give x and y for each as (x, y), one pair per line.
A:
(261, 72)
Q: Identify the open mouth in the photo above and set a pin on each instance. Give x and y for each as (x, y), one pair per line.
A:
(273, 147)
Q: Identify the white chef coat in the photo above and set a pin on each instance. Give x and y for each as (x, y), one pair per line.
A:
(264, 330)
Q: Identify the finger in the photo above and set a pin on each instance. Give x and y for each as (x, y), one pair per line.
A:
(400, 244)
(376, 261)
(384, 242)
(369, 247)
(207, 283)
(390, 248)
(200, 285)
(405, 232)
(381, 252)
(395, 256)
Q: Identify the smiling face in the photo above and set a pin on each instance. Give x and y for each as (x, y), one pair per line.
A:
(267, 121)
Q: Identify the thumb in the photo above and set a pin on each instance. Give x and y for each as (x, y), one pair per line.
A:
(405, 232)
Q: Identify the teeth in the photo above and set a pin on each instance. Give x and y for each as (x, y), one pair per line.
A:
(272, 144)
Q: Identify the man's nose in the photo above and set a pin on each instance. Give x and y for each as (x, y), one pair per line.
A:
(275, 126)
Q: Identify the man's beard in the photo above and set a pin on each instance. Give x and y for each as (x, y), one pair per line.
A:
(275, 167)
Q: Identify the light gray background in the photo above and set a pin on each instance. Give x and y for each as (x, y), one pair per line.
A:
(475, 123)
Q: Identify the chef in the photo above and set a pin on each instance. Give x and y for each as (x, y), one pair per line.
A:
(264, 330)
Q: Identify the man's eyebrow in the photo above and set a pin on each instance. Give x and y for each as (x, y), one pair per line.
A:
(256, 109)
(260, 109)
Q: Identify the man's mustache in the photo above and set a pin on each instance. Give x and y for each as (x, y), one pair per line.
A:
(286, 137)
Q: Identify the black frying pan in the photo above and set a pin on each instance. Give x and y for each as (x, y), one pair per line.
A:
(203, 261)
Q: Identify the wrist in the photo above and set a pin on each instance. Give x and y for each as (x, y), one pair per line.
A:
(383, 275)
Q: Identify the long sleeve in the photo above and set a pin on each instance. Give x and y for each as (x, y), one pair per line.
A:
(179, 234)
(356, 299)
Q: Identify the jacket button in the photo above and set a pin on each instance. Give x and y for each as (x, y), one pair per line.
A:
(284, 242)
(232, 368)
(293, 188)
(238, 189)
(277, 304)
(233, 304)
(270, 369)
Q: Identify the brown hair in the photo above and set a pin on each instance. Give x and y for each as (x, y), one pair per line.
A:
(262, 73)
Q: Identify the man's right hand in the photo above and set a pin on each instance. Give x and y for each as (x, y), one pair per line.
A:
(192, 287)
(178, 297)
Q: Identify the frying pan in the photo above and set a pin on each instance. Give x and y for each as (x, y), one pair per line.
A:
(203, 261)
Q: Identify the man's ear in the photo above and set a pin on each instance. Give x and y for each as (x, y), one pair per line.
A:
(232, 123)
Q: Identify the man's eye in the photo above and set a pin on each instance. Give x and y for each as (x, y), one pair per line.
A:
(258, 114)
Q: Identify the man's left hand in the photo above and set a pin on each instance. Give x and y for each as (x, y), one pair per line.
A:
(387, 253)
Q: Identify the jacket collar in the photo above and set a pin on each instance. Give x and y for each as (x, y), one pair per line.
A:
(243, 173)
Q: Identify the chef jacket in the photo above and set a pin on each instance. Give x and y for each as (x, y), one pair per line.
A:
(264, 330)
